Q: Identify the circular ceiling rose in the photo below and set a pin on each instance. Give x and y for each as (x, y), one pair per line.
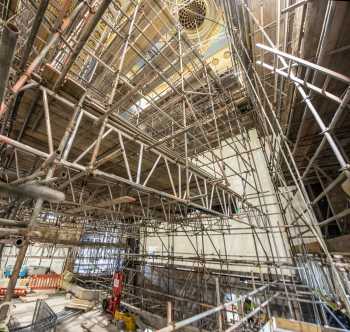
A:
(192, 16)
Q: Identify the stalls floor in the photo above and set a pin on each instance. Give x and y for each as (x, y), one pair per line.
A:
(94, 320)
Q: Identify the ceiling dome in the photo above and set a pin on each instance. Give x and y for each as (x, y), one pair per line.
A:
(192, 16)
(198, 18)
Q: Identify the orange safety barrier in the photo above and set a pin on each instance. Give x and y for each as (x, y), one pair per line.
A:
(46, 281)
(16, 291)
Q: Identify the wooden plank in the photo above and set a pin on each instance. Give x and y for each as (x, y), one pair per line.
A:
(339, 244)
(296, 326)
(33, 298)
(84, 305)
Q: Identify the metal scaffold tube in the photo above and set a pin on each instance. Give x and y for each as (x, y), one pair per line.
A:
(88, 29)
(33, 191)
(8, 42)
(137, 144)
(33, 32)
(53, 40)
(177, 325)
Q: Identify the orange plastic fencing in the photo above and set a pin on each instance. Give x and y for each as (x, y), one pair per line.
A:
(47, 281)
(16, 291)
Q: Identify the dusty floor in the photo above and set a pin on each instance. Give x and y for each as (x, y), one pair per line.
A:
(94, 321)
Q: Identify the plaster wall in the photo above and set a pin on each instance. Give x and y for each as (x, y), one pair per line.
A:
(240, 243)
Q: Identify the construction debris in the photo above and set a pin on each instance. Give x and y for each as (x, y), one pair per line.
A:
(33, 298)
(78, 304)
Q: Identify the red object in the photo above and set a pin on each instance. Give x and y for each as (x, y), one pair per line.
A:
(45, 281)
(113, 302)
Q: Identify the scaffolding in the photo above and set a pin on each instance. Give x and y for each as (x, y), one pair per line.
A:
(119, 127)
